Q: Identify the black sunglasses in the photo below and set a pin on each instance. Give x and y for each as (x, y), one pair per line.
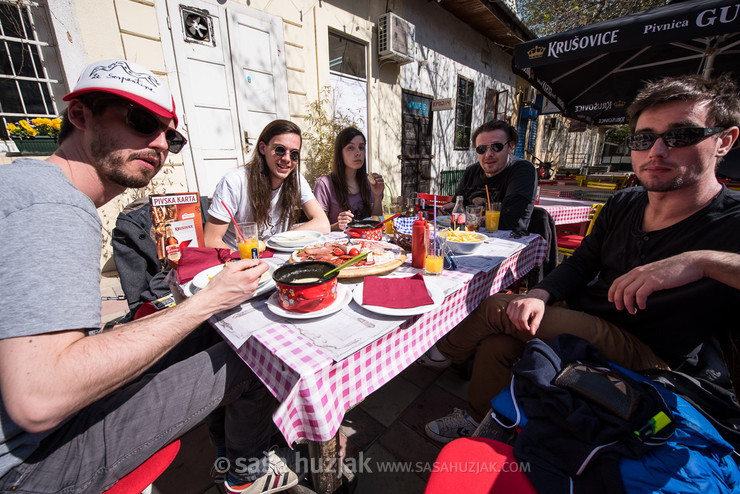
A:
(295, 155)
(145, 123)
(675, 138)
(496, 147)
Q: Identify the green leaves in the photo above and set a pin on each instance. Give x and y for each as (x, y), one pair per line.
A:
(324, 123)
(553, 16)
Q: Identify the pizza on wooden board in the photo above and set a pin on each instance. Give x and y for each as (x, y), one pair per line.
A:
(382, 257)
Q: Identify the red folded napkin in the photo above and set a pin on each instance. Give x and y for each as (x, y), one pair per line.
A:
(193, 260)
(395, 293)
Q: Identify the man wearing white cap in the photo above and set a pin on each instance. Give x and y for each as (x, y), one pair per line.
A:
(82, 408)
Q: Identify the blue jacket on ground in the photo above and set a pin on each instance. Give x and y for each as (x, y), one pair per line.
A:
(695, 459)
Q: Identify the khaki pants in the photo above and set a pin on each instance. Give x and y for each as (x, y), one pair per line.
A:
(488, 334)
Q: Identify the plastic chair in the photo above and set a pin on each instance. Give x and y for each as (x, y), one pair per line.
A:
(142, 477)
(602, 185)
(478, 465)
(568, 243)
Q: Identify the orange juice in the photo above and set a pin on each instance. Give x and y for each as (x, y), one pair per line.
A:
(249, 249)
(433, 264)
(492, 218)
(389, 225)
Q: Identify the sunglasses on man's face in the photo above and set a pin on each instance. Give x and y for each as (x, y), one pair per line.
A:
(295, 155)
(675, 138)
(146, 124)
(496, 147)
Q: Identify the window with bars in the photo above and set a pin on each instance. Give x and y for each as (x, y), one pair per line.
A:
(27, 58)
(463, 112)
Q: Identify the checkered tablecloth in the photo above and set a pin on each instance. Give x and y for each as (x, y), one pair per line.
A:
(314, 391)
(565, 215)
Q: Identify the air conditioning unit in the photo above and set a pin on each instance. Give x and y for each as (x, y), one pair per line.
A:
(396, 39)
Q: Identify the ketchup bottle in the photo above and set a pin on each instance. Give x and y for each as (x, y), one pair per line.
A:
(419, 236)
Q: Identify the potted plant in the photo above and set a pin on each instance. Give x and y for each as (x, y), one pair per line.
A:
(37, 137)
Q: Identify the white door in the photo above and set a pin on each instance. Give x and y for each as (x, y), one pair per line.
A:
(231, 78)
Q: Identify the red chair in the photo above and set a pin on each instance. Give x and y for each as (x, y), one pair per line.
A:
(567, 242)
(138, 480)
(145, 309)
(478, 465)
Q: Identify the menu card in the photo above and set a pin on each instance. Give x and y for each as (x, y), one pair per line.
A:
(178, 223)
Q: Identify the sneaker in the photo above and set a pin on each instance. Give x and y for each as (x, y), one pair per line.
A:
(278, 478)
(427, 361)
(454, 426)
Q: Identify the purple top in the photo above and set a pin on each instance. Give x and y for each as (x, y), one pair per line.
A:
(324, 192)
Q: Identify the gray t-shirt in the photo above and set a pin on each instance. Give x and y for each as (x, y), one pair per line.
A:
(49, 269)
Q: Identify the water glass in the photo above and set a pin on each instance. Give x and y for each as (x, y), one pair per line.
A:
(472, 217)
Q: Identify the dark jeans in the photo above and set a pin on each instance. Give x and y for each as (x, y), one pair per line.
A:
(108, 439)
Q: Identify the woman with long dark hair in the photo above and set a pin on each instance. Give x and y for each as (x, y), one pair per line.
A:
(269, 192)
(349, 192)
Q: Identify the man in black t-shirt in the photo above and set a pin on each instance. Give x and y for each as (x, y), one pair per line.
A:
(510, 180)
(656, 284)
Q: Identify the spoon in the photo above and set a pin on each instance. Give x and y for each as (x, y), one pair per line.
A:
(351, 261)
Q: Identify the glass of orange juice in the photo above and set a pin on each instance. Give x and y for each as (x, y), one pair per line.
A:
(435, 254)
(493, 213)
(248, 244)
(389, 209)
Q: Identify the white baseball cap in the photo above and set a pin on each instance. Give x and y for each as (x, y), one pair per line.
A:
(128, 80)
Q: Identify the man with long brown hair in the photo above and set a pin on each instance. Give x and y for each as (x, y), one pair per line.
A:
(268, 192)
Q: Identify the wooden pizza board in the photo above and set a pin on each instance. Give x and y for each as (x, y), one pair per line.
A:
(367, 270)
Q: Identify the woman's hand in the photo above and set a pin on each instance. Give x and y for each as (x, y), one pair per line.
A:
(344, 218)
(376, 184)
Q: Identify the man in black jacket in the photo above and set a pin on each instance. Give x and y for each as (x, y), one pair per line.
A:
(656, 282)
(510, 180)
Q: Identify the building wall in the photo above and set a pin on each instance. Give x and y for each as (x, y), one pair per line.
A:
(89, 30)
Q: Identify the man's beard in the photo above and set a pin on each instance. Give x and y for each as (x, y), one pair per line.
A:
(675, 184)
(111, 164)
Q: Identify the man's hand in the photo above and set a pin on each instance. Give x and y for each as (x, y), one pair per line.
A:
(236, 283)
(526, 312)
(343, 219)
(632, 289)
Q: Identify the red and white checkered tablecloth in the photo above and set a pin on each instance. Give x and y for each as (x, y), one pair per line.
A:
(565, 215)
(314, 391)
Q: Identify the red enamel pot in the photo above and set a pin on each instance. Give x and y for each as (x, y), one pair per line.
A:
(366, 230)
(302, 288)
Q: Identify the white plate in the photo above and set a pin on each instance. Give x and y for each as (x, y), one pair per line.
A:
(265, 285)
(435, 292)
(344, 295)
(280, 248)
(444, 221)
(295, 238)
(201, 279)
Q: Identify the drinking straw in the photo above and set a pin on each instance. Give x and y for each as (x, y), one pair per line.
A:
(435, 223)
(234, 220)
(489, 198)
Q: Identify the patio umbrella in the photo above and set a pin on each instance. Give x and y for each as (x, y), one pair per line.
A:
(594, 72)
